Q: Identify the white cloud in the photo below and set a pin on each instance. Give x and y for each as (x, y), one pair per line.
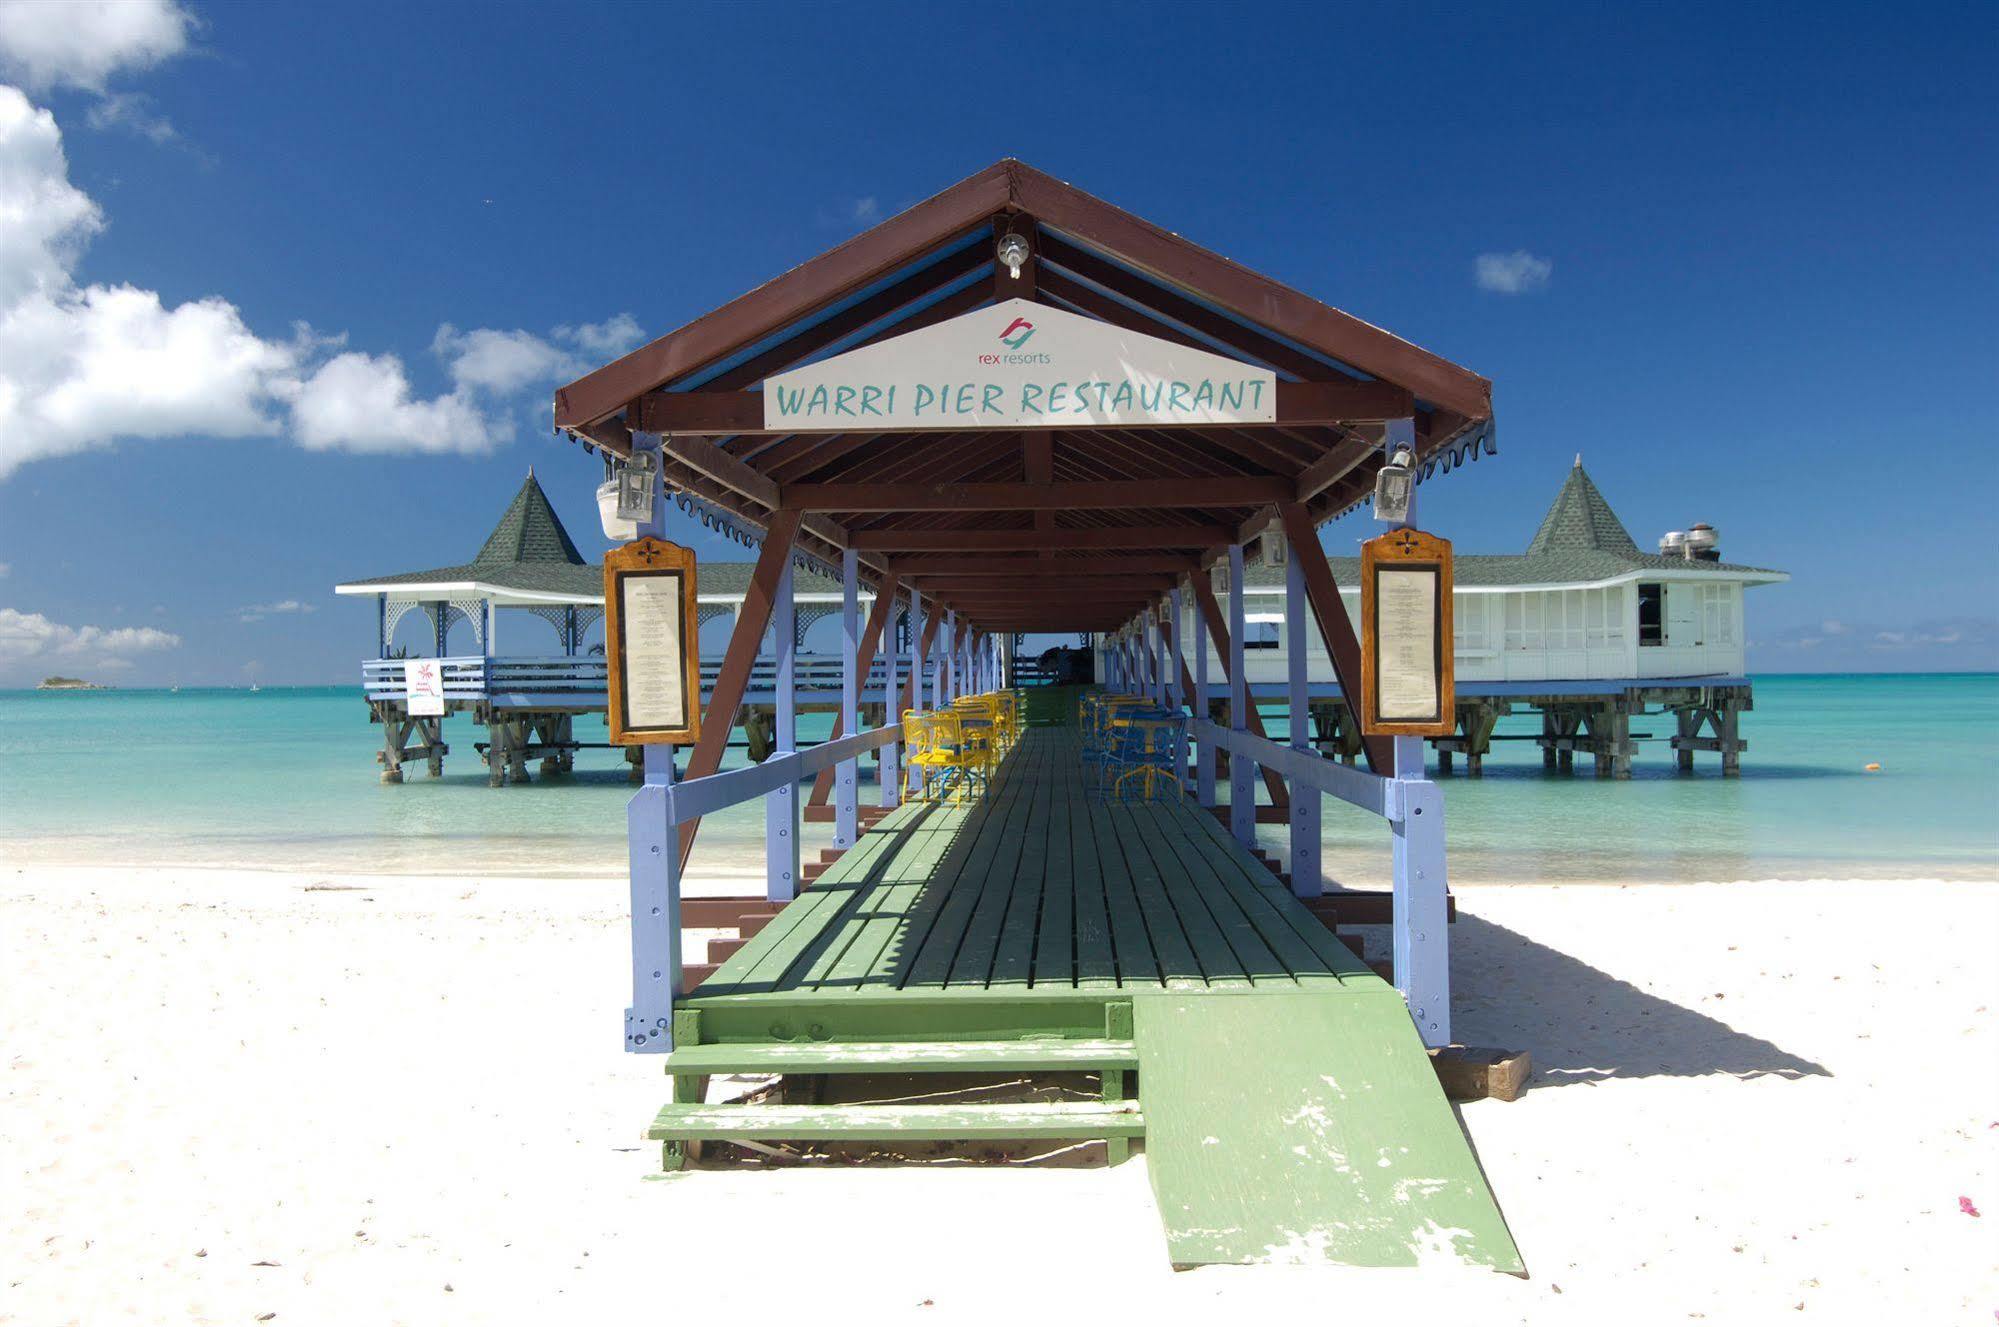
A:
(501, 362)
(26, 637)
(82, 43)
(1516, 273)
(133, 111)
(604, 340)
(81, 366)
(868, 210)
(282, 607)
(364, 403)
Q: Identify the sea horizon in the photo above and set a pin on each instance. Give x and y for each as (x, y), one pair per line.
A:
(285, 778)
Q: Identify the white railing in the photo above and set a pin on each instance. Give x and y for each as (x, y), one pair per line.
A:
(556, 679)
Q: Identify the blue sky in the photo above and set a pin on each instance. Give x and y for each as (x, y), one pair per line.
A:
(284, 289)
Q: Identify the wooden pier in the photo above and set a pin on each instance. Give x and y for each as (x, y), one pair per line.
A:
(1043, 929)
(1174, 412)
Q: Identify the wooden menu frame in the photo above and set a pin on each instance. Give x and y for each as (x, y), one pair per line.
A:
(645, 670)
(1400, 554)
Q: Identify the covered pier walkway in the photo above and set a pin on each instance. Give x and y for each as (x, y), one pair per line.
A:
(1017, 409)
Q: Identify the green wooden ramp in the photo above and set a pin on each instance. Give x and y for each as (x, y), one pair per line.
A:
(1307, 1128)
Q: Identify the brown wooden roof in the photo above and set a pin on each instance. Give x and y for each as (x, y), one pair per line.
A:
(1030, 529)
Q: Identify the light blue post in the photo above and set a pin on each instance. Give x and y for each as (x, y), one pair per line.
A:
(572, 639)
(941, 681)
(1242, 772)
(1176, 694)
(846, 775)
(1421, 922)
(1204, 756)
(781, 803)
(491, 615)
(381, 626)
(440, 620)
(653, 849)
(1307, 879)
(891, 755)
(916, 670)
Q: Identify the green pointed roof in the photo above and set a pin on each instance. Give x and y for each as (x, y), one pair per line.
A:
(1581, 521)
(530, 531)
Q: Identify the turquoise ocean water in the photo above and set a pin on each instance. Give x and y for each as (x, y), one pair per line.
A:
(286, 777)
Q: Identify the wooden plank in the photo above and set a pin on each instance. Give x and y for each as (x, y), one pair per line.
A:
(1295, 942)
(1191, 535)
(1199, 889)
(903, 1057)
(1016, 956)
(1051, 1119)
(1107, 495)
(938, 921)
(1220, 964)
(995, 863)
(1307, 1128)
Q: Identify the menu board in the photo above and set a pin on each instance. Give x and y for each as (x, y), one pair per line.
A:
(1408, 688)
(651, 644)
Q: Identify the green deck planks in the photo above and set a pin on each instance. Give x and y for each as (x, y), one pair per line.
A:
(1289, 1109)
(1304, 1127)
(1037, 889)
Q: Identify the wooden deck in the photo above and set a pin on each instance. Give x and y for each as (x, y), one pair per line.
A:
(1037, 890)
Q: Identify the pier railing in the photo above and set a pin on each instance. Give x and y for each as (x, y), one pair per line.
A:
(1412, 805)
(654, 818)
(578, 681)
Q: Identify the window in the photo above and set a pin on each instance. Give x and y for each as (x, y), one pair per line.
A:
(1651, 614)
(1718, 614)
(1468, 633)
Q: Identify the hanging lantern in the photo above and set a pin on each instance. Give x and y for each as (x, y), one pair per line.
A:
(1394, 486)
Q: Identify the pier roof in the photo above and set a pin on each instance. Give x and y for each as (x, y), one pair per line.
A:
(1580, 541)
(1091, 502)
(529, 558)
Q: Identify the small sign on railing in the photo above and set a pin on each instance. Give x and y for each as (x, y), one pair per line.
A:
(423, 687)
(1408, 688)
(651, 643)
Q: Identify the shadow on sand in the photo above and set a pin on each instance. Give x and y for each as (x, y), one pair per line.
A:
(1584, 1025)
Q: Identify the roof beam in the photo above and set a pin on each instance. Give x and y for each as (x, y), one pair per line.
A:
(1169, 563)
(727, 414)
(1216, 491)
(1031, 541)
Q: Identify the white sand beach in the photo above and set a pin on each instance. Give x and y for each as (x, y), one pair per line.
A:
(234, 1097)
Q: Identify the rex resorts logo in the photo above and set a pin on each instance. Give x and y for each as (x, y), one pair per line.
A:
(1013, 338)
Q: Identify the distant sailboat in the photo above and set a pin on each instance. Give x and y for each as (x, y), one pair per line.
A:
(255, 687)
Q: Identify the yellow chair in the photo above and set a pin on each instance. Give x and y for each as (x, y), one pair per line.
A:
(944, 761)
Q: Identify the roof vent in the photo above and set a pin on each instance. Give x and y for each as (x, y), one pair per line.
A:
(1703, 544)
(1673, 544)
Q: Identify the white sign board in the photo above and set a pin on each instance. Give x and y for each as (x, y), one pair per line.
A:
(1020, 365)
(423, 683)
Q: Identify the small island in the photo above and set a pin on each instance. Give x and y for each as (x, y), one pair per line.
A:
(69, 684)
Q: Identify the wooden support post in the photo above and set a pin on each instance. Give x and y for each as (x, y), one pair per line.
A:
(1211, 613)
(1204, 759)
(781, 817)
(1242, 772)
(1728, 728)
(744, 644)
(1307, 876)
(1687, 726)
(847, 807)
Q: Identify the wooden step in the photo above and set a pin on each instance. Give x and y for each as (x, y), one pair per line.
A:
(707, 912)
(749, 926)
(721, 951)
(1054, 1119)
(902, 1057)
(1363, 907)
(693, 974)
